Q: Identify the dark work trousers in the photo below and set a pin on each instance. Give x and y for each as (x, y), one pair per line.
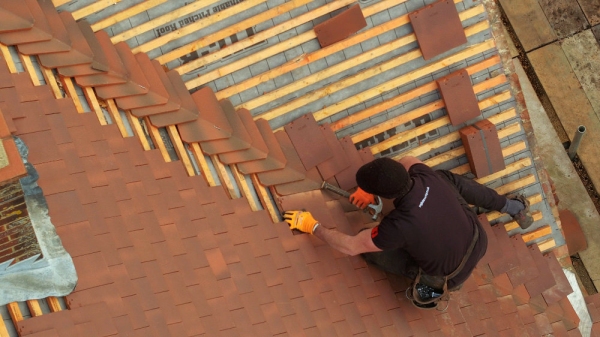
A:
(468, 192)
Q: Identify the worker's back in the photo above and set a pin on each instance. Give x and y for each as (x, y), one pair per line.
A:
(432, 226)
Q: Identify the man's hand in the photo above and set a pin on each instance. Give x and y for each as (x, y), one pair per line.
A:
(362, 199)
(300, 220)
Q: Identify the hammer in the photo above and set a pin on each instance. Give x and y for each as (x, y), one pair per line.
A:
(375, 210)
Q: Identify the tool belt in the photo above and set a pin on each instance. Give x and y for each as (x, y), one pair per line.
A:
(427, 291)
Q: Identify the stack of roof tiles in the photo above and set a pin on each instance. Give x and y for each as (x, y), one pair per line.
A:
(159, 253)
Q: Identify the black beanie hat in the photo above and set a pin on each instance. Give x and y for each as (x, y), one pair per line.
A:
(384, 177)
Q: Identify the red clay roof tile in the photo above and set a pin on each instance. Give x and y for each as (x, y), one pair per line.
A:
(509, 259)
(229, 291)
(437, 28)
(40, 31)
(312, 181)
(545, 280)
(307, 139)
(338, 161)
(574, 236)
(239, 140)
(57, 125)
(211, 110)
(131, 262)
(292, 326)
(346, 178)
(147, 298)
(105, 294)
(59, 41)
(5, 78)
(8, 123)
(275, 159)
(93, 271)
(116, 72)
(15, 168)
(258, 149)
(562, 287)
(79, 52)
(527, 269)
(25, 92)
(207, 285)
(15, 17)
(221, 316)
(543, 324)
(293, 170)
(121, 280)
(137, 316)
(64, 208)
(78, 239)
(99, 61)
(192, 325)
(53, 178)
(157, 93)
(136, 84)
(340, 26)
(458, 95)
(123, 325)
(36, 123)
(174, 102)
(188, 109)
(502, 285)
(117, 185)
(142, 242)
(105, 155)
(273, 318)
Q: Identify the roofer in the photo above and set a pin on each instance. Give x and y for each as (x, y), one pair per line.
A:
(432, 231)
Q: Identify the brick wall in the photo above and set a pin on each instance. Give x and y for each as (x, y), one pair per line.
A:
(17, 237)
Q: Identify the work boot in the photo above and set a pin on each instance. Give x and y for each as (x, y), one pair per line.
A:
(523, 218)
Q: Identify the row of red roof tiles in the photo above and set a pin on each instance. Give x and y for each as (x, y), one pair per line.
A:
(161, 253)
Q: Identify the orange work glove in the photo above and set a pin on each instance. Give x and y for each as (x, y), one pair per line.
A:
(362, 199)
(300, 220)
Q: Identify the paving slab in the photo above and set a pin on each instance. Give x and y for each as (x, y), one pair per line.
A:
(529, 23)
(596, 32)
(583, 53)
(570, 190)
(570, 102)
(591, 9)
(564, 16)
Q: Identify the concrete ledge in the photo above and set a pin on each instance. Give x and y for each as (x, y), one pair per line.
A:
(570, 190)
